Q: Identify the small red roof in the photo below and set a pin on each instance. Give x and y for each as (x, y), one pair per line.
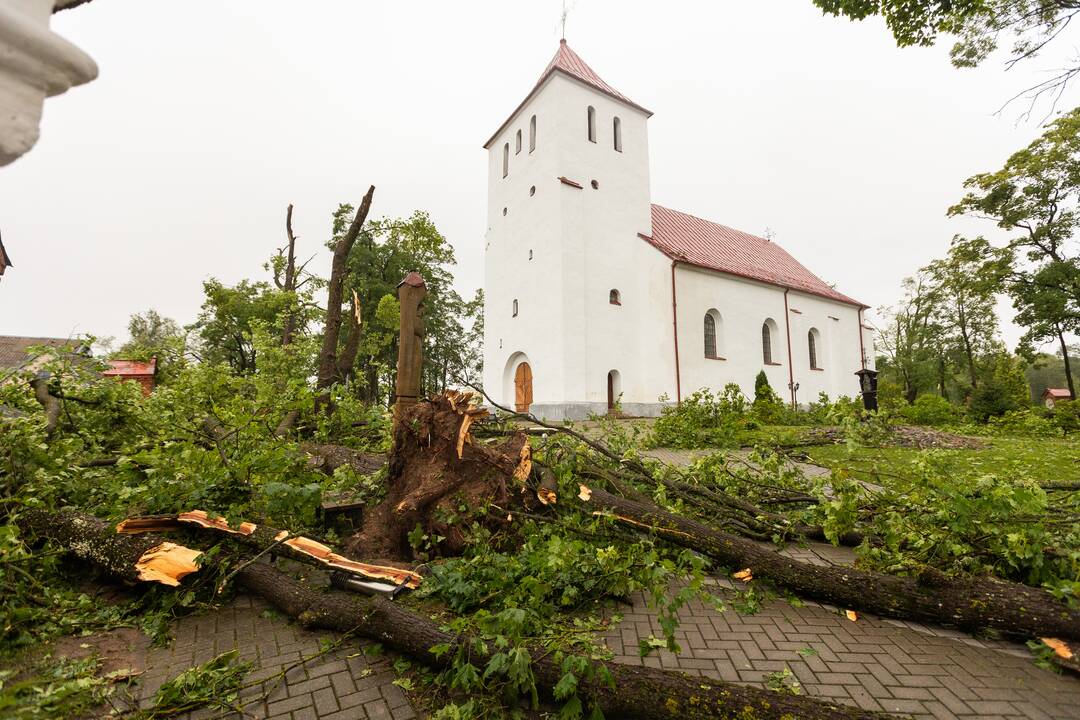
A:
(570, 63)
(713, 246)
(1057, 393)
(129, 368)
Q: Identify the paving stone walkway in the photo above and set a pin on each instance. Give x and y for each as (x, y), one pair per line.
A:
(343, 684)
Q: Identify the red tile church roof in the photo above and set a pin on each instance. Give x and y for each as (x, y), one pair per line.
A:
(569, 63)
(713, 246)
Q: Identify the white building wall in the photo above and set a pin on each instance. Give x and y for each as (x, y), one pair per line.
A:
(744, 305)
(585, 243)
(532, 224)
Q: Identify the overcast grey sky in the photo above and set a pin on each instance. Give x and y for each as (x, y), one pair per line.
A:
(209, 117)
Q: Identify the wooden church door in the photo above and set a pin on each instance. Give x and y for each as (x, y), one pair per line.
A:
(523, 387)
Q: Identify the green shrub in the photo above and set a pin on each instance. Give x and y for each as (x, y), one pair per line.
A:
(930, 410)
(703, 420)
(991, 399)
(1023, 423)
(1066, 415)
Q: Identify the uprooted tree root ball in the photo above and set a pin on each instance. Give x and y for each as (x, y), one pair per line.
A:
(438, 474)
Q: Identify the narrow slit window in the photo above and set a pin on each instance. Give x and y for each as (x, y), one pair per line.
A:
(532, 133)
(617, 129)
(515, 308)
(592, 123)
(506, 159)
(812, 346)
(710, 336)
(766, 344)
(517, 143)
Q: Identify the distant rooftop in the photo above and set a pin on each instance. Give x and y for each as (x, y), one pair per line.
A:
(13, 349)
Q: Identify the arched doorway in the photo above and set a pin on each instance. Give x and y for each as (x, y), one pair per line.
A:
(614, 389)
(523, 394)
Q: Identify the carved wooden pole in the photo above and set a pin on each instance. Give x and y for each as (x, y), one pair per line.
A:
(411, 293)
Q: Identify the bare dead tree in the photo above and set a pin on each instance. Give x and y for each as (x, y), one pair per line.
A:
(335, 363)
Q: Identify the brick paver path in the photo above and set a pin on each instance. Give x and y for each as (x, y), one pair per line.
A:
(874, 663)
(341, 685)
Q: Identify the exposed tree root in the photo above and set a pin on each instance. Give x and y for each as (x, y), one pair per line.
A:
(437, 472)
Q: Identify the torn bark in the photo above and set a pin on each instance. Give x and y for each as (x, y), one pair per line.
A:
(261, 537)
(971, 603)
(638, 692)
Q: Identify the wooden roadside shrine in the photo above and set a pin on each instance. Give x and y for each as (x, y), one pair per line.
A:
(411, 293)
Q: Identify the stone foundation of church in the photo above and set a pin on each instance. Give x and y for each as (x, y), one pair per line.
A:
(555, 412)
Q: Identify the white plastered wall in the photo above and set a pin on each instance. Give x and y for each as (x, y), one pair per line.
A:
(744, 305)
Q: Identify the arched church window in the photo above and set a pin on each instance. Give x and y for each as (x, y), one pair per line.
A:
(614, 297)
(710, 336)
(592, 124)
(517, 145)
(515, 308)
(618, 134)
(532, 133)
(812, 345)
(506, 159)
(766, 343)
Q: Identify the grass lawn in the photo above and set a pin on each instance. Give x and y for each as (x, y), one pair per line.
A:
(1047, 460)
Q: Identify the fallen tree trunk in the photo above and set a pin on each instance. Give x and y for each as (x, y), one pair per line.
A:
(970, 603)
(147, 558)
(638, 692)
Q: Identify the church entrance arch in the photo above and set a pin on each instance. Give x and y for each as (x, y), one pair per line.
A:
(614, 389)
(518, 382)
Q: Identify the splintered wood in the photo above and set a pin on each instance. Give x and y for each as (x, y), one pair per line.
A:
(328, 557)
(306, 546)
(160, 523)
(167, 563)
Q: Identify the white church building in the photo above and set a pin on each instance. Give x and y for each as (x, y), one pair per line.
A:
(596, 297)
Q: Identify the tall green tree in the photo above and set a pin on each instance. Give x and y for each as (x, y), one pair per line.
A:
(964, 287)
(909, 339)
(228, 317)
(1044, 312)
(1034, 197)
(386, 251)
